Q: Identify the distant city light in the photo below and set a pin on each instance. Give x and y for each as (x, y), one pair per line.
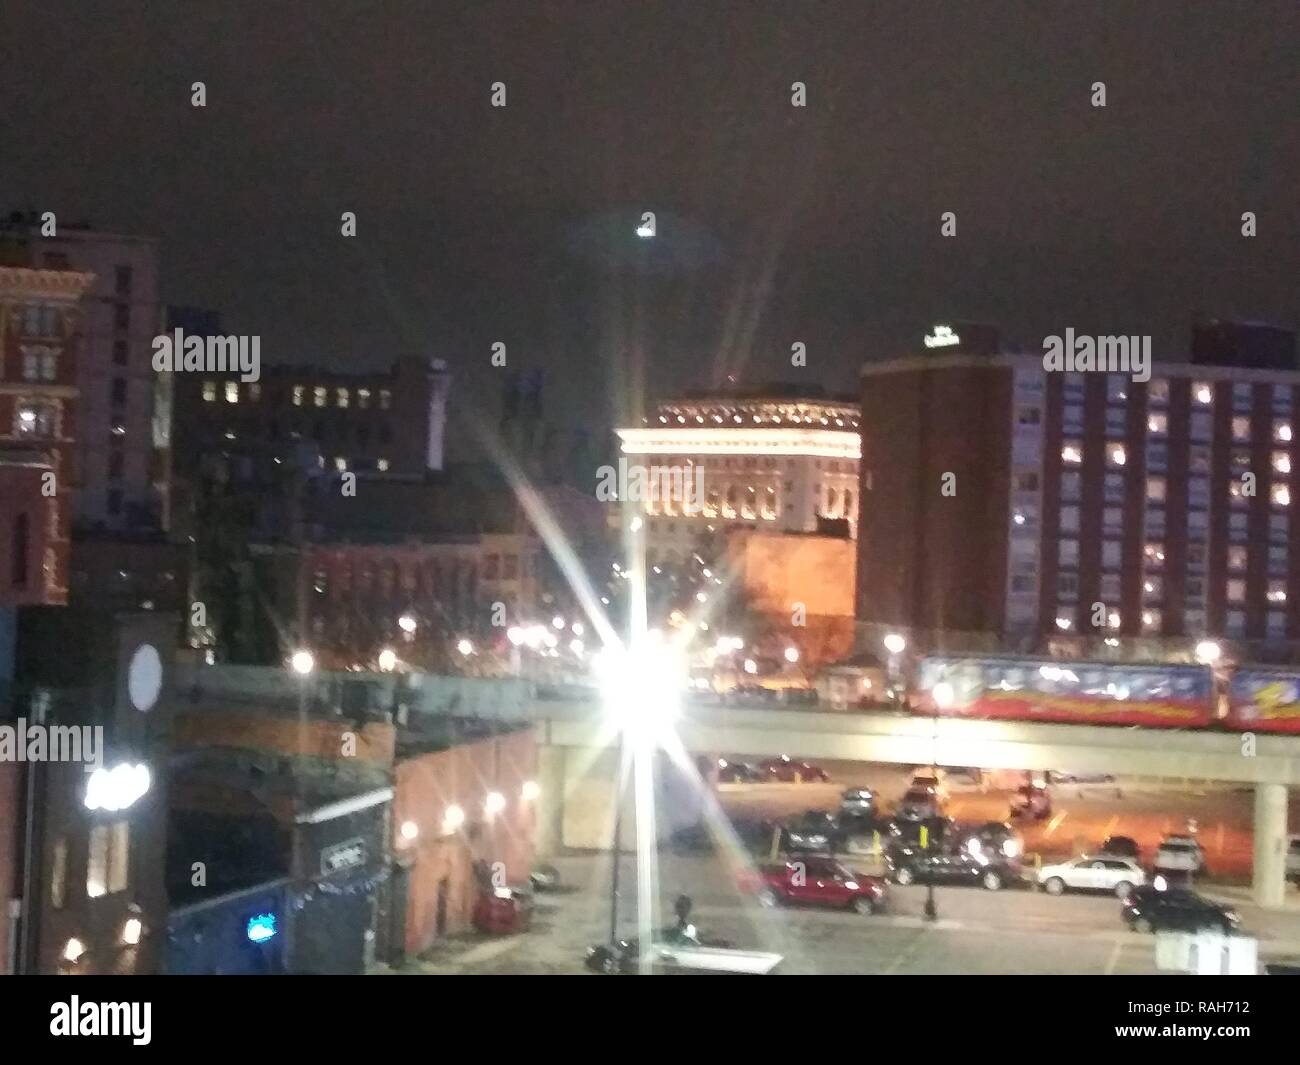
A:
(406, 623)
(557, 622)
(410, 830)
(73, 949)
(302, 662)
(131, 931)
(943, 694)
(117, 788)
(792, 655)
(494, 803)
(530, 791)
(577, 628)
(465, 647)
(751, 666)
(1207, 652)
(636, 524)
(515, 635)
(895, 644)
(452, 819)
(387, 659)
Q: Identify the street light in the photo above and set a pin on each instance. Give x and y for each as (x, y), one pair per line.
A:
(302, 662)
(1207, 652)
(465, 647)
(942, 695)
(387, 660)
(642, 687)
(792, 655)
(407, 624)
(895, 644)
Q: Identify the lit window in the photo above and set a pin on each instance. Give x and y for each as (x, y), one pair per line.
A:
(209, 391)
(1114, 620)
(1156, 488)
(1153, 555)
(1151, 620)
(1157, 423)
(1236, 591)
(1277, 591)
(320, 395)
(1116, 388)
(1281, 462)
(1236, 557)
(1203, 393)
(1110, 554)
(1281, 495)
(1282, 430)
(1241, 428)
(119, 849)
(34, 419)
(1068, 553)
(1069, 519)
(1072, 452)
(97, 863)
(341, 464)
(297, 395)
(341, 397)
(1153, 587)
(385, 399)
(1115, 455)
(232, 391)
(1158, 390)
(363, 398)
(1064, 623)
(381, 465)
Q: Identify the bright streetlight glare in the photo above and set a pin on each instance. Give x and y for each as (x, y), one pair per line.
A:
(387, 659)
(943, 694)
(642, 686)
(792, 655)
(406, 623)
(465, 647)
(530, 791)
(895, 644)
(302, 662)
(515, 635)
(557, 621)
(494, 803)
(751, 666)
(1207, 652)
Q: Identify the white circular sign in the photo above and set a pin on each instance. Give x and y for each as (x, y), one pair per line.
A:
(144, 677)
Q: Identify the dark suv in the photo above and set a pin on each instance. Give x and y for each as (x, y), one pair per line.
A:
(1149, 910)
(948, 861)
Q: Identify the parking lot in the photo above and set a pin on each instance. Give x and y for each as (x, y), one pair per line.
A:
(977, 932)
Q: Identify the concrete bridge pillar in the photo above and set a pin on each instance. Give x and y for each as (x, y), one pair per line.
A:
(1269, 876)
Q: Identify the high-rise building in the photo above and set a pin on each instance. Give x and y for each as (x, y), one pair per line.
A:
(1007, 504)
(121, 460)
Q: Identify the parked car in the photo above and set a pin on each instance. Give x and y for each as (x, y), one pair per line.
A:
(544, 878)
(858, 799)
(786, 770)
(1121, 847)
(931, 777)
(949, 865)
(1180, 854)
(994, 838)
(919, 803)
(1100, 873)
(1057, 777)
(1033, 801)
(737, 772)
(1149, 910)
(623, 956)
(816, 882)
(819, 830)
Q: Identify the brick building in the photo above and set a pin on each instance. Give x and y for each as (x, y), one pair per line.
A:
(1007, 505)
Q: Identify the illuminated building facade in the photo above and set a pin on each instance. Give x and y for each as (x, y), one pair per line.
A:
(1082, 506)
(773, 461)
(40, 323)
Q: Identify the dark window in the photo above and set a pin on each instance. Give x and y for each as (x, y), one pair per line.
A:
(56, 260)
(115, 501)
(119, 352)
(115, 465)
(122, 316)
(123, 280)
(385, 433)
(119, 391)
(18, 567)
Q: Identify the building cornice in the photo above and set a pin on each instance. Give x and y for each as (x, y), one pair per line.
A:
(665, 440)
(24, 283)
(1197, 371)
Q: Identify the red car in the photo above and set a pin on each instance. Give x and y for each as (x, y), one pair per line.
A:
(817, 882)
(787, 771)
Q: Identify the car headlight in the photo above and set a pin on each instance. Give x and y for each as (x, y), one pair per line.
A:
(1010, 847)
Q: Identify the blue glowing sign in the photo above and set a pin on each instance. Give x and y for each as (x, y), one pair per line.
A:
(262, 927)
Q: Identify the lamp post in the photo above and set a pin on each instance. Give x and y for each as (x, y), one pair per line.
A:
(895, 644)
(642, 694)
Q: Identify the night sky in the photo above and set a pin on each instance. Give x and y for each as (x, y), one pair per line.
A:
(776, 224)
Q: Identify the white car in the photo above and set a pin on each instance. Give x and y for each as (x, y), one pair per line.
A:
(1104, 873)
(1180, 854)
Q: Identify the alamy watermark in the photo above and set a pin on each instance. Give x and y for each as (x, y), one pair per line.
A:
(682, 485)
(1108, 354)
(24, 742)
(177, 353)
